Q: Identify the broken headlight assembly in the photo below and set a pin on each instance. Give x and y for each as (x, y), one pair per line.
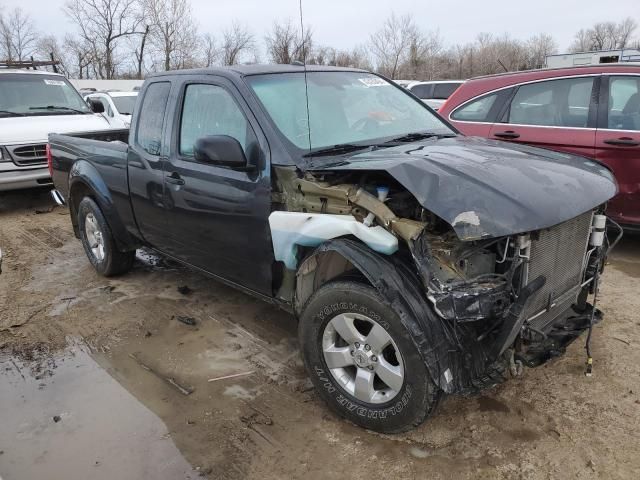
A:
(470, 281)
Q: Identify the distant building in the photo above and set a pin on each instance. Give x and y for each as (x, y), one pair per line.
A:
(592, 58)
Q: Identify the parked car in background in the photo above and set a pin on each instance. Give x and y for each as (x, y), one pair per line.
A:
(404, 83)
(592, 111)
(32, 105)
(434, 93)
(118, 106)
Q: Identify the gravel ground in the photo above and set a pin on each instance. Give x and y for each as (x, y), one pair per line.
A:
(99, 379)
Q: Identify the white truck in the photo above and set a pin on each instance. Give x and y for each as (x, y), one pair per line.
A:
(33, 104)
(118, 106)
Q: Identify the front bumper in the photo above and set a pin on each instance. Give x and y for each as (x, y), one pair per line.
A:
(18, 179)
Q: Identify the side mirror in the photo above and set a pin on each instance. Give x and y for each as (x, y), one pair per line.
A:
(95, 105)
(220, 150)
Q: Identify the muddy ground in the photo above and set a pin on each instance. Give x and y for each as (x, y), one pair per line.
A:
(98, 379)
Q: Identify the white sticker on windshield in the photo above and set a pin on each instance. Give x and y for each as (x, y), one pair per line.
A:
(373, 81)
(58, 83)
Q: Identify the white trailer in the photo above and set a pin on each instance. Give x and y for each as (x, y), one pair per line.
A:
(563, 60)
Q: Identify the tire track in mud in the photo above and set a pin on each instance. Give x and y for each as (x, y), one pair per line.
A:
(25, 245)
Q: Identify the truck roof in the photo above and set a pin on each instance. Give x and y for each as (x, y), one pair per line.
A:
(256, 69)
(28, 72)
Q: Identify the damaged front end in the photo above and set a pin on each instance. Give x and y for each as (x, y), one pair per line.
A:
(482, 303)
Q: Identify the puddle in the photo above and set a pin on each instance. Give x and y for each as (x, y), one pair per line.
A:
(78, 423)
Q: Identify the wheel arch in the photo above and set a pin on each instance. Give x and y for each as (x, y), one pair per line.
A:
(86, 181)
(399, 287)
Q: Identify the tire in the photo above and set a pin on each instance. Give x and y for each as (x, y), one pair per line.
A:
(98, 241)
(389, 406)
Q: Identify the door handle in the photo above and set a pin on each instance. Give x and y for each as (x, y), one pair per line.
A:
(174, 178)
(507, 134)
(623, 141)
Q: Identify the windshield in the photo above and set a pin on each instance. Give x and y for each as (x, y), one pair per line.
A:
(125, 105)
(344, 107)
(29, 94)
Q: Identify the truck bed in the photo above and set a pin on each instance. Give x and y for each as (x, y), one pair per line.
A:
(105, 150)
(99, 160)
(121, 135)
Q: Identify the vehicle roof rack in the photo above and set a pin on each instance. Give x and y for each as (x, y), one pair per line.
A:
(31, 64)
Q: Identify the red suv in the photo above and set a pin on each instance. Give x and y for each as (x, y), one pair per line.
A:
(592, 111)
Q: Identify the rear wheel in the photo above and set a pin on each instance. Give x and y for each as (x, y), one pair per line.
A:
(98, 241)
(362, 359)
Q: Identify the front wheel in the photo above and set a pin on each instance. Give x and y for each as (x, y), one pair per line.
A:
(362, 360)
(98, 241)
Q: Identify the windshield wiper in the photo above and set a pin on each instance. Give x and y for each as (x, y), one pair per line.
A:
(336, 150)
(58, 107)
(415, 136)
(15, 114)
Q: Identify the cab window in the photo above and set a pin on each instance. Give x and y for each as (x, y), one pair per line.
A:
(211, 110)
(154, 104)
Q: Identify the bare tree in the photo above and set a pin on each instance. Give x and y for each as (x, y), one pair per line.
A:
(210, 50)
(103, 23)
(173, 32)
(538, 48)
(391, 44)
(6, 46)
(48, 46)
(605, 36)
(285, 42)
(581, 41)
(625, 31)
(139, 51)
(81, 55)
(237, 40)
(357, 57)
(423, 61)
(18, 35)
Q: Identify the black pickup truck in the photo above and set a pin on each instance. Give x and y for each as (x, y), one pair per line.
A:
(418, 261)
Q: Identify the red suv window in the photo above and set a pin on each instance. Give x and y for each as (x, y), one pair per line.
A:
(554, 103)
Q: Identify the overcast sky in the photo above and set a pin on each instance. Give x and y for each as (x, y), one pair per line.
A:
(345, 23)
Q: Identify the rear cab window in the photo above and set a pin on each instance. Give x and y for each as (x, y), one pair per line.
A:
(151, 117)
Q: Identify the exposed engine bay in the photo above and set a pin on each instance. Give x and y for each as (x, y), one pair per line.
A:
(499, 300)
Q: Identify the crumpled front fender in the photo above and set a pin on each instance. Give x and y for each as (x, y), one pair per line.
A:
(401, 289)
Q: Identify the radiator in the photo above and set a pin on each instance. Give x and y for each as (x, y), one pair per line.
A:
(558, 254)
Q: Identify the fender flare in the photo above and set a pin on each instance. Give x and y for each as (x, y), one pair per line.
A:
(401, 289)
(84, 177)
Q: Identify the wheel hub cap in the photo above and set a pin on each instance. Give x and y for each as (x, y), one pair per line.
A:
(94, 236)
(363, 358)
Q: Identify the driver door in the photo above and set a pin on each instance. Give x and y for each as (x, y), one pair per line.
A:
(217, 217)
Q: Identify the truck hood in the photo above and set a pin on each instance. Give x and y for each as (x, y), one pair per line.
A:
(487, 188)
(17, 130)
